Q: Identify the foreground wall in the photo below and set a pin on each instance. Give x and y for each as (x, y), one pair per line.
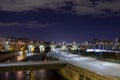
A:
(72, 72)
(7, 55)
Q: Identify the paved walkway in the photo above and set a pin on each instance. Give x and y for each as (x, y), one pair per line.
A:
(100, 67)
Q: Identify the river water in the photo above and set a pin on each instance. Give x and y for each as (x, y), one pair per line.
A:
(29, 75)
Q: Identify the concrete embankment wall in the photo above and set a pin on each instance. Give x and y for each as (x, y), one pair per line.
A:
(72, 72)
(7, 55)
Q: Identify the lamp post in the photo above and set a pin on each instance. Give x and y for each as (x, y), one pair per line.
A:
(100, 47)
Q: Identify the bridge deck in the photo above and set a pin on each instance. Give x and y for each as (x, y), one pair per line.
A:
(103, 68)
(33, 65)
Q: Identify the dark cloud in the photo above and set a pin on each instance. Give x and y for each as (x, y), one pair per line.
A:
(31, 24)
(97, 7)
(79, 7)
(26, 5)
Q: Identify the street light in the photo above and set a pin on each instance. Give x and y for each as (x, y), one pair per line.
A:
(100, 47)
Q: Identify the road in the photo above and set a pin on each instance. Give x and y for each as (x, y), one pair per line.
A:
(100, 67)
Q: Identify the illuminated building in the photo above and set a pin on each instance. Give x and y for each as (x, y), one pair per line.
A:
(74, 46)
(117, 44)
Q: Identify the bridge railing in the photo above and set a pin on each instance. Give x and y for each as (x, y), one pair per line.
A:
(33, 65)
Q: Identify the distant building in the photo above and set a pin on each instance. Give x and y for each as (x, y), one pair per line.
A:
(2, 41)
(117, 43)
(99, 44)
(74, 46)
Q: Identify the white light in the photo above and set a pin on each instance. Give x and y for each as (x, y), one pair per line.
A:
(97, 50)
(29, 54)
(74, 47)
(30, 48)
(64, 47)
(42, 47)
(53, 47)
(20, 52)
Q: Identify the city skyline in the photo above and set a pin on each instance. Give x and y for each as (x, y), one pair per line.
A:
(60, 20)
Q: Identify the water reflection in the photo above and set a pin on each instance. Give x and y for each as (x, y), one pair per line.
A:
(6, 75)
(42, 74)
(32, 75)
(23, 55)
(19, 75)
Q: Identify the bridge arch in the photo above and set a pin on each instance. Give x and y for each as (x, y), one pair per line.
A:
(37, 49)
(30, 47)
(23, 48)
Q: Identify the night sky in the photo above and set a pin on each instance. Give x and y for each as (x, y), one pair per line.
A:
(60, 20)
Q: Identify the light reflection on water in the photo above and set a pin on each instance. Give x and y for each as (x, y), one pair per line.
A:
(22, 55)
(6, 75)
(31, 75)
(19, 75)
